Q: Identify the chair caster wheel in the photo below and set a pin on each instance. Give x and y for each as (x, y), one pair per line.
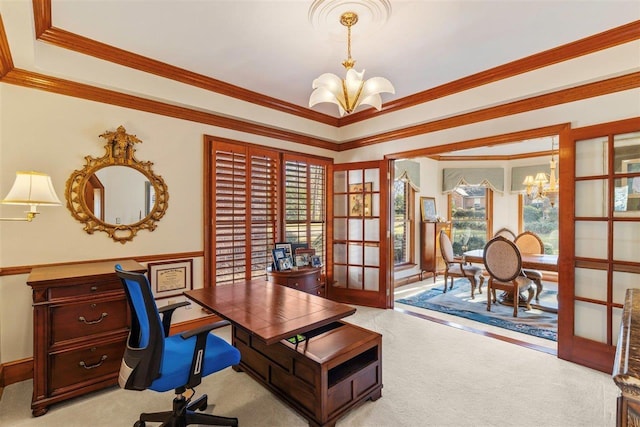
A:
(140, 424)
(203, 404)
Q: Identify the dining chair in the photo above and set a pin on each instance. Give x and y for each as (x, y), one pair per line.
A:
(503, 262)
(529, 243)
(457, 267)
(506, 233)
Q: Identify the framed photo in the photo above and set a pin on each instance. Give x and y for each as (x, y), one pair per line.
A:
(278, 255)
(285, 263)
(296, 246)
(428, 208)
(286, 246)
(303, 257)
(316, 261)
(170, 278)
(360, 202)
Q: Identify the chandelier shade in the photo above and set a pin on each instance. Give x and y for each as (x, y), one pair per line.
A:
(352, 91)
(541, 187)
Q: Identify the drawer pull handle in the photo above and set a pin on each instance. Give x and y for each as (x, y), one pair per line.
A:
(94, 288)
(85, 366)
(92, 322)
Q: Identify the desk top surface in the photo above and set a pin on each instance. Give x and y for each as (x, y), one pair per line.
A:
(268, 311)
(543, 262)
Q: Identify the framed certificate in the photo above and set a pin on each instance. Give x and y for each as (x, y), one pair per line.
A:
(170, 278)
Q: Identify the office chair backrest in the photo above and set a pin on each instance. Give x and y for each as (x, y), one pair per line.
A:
(142, 358)
(502, 259)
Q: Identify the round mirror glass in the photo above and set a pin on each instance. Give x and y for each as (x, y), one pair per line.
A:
(119, 195)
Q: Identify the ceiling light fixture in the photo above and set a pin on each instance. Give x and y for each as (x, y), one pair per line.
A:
(353, 91)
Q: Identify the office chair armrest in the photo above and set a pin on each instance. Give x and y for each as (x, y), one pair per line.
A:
(167, 314)
(195, 374)
(205, 328)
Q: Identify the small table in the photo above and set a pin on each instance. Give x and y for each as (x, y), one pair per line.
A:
(336, 367)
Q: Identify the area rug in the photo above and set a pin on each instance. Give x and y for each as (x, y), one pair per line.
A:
(458, 302)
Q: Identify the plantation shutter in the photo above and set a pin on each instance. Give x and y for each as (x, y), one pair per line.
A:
(305, 202)
(245, 206)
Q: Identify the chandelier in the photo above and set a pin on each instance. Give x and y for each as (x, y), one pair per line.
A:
(352, 91)
(541, 187)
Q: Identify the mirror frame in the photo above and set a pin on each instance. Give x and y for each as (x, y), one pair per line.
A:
(119, 152)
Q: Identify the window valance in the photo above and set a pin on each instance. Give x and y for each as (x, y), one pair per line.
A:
(492, 178)
(408, 171)
(518, 175)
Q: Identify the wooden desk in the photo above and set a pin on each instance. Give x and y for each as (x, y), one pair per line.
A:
(542, 262)
(337, 367)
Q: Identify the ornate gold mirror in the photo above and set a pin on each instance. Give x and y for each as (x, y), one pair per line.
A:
(116, 193)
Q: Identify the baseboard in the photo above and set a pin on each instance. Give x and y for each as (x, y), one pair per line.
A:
(407, 280)
(22, 370)
(16, 371)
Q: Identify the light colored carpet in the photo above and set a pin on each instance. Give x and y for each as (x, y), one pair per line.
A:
(433, 375)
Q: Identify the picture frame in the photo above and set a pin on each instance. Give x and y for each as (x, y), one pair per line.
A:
(316, 261)
(170, 278)
(303, 257)
(286, 246)
(428, 209)
(633, 184)
(360, 199)
(278, 254)
(285, 263)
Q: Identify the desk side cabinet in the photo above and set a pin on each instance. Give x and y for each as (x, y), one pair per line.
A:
(80, 329)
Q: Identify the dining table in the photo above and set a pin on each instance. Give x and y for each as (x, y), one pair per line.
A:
(542, 262)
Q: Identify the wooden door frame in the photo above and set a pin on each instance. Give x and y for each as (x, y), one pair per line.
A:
(593, 354)
(384, 295)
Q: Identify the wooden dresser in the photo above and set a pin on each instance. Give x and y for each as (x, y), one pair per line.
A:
(306, 279)
(80, 328)
(430, 256)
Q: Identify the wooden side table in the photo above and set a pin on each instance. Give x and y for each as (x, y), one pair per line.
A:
(305, 279)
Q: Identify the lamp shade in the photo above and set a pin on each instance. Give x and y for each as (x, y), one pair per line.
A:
(32, 188)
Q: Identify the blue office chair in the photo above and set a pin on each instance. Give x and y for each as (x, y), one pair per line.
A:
(156, 361)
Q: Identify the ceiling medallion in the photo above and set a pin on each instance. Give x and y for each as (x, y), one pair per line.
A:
(325, 13)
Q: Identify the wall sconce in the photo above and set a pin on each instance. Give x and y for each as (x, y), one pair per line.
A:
(32, 189)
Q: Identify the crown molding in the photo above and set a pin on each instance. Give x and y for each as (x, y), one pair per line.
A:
(435, 151)
(605, 40)
(6, 62)
(589, 90)
(79, 90)
(46, 32)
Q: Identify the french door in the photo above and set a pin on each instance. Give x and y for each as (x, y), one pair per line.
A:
(360, 235)
(600, 232)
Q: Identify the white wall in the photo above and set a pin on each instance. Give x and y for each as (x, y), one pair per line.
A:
(52, 134)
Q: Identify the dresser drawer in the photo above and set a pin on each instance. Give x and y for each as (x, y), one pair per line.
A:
(307, 283)
(93, 287)
(83, 319)
(83, 365)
